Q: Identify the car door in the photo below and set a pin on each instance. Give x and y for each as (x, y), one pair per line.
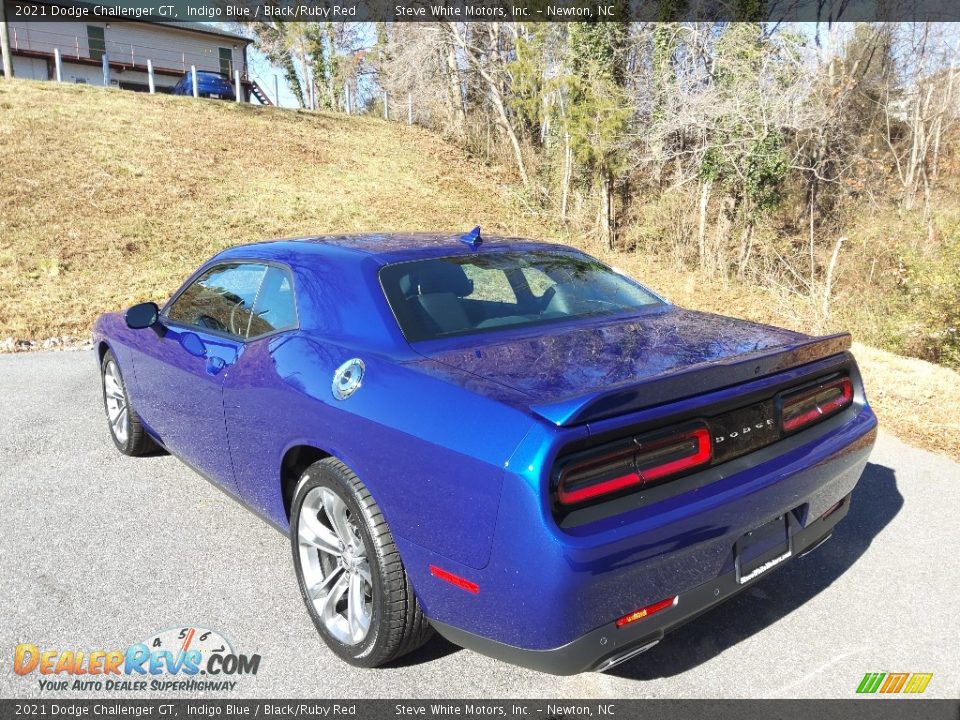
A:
(259, 423)
(180, 375)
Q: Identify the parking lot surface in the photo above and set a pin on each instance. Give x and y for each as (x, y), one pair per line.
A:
(99, 551)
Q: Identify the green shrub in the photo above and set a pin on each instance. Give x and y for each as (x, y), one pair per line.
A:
(931, 280)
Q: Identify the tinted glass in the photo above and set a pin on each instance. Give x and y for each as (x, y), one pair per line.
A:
(221, 299)
(275, 308)
(453, 296)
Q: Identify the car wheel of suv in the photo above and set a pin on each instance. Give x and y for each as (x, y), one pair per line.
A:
(125, 427)
(349, 570)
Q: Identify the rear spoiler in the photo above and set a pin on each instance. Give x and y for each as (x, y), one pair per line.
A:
(689, 381)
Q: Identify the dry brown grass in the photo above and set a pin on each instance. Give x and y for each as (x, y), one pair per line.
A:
(111, 197)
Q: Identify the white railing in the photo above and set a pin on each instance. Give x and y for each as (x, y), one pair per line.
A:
(134, 55)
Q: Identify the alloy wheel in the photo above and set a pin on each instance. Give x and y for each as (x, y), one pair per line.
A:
(116, 401)
(336, 570)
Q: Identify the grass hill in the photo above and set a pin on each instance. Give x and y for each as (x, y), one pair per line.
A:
(111, 197)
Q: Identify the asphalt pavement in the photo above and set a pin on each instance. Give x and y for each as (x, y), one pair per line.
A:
(98, 551)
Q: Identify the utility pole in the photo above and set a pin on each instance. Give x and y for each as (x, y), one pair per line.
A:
(5, 42)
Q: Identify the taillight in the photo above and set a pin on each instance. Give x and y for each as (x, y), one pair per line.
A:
(814, 404)
(647, 459)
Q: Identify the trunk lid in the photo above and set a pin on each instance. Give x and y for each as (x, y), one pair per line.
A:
(572, 375)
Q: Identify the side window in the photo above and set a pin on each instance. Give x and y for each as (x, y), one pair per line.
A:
(275, 308)
(221, 299)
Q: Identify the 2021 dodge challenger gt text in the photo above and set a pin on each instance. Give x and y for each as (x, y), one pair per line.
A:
(503, 441)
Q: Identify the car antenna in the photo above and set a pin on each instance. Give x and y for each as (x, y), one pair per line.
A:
(472, 238)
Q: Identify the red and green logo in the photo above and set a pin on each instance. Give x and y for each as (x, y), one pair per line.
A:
(891, 683)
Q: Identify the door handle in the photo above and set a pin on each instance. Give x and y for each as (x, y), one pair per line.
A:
(215, 364)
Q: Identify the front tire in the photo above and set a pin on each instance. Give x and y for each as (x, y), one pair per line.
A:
(349, 571)
(126, 431)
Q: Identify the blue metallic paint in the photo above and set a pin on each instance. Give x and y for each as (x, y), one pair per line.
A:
(448, 438)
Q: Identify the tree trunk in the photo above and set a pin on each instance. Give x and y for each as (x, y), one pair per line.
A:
(747, 245)
(812, 245)
(606, 209)
(492, 73)
(702, 226)
(511, 133)
(722, 235)
(459, 114)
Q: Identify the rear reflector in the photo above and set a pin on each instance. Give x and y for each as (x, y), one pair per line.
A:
(645, 460)
(814, 404)
(460, 582)
(647, 611)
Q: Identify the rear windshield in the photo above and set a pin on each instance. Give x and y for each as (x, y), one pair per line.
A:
(445, 297)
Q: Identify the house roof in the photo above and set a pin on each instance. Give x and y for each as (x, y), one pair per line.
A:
(205, 28)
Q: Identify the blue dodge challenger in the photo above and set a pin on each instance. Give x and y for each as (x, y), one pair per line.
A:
(499, 440)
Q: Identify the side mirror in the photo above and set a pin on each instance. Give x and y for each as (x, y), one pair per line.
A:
(142, 316)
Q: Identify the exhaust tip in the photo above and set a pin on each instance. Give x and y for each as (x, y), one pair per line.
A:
(623, 657)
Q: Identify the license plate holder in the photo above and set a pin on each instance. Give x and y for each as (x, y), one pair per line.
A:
(762, 549)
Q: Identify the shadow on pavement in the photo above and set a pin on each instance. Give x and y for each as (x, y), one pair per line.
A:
(876, 501)
(435, 649)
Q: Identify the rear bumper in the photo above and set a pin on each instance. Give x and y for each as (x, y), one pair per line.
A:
(549, 599)
(608, 645)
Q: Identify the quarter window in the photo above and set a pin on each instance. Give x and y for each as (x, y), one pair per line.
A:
(275, 308)
(221, 299)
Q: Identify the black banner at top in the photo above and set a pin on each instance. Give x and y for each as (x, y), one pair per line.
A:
(488, 10)
(309, 709)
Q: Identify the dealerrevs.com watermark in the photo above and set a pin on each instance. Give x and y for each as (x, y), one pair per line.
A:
(190, 659)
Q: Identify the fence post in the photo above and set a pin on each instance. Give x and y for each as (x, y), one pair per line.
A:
(346, 95)
(5, 43)
(386, 106)
(106, 70)
(193, 80)
(237, 88)
(57, 65)
(150, 82)
(409, 108)
(276, 88)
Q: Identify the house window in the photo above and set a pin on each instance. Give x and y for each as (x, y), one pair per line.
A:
(96, 42)
(226, 61)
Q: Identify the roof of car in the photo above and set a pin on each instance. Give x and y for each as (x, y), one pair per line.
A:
(387, 247)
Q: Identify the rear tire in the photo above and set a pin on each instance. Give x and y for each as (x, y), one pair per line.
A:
(349, 571)
(124, 424)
